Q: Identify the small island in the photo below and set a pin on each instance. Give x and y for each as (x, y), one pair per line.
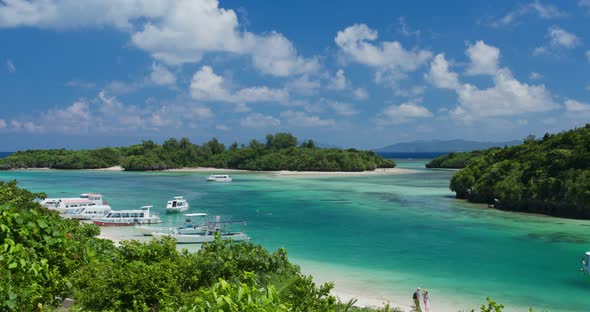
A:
(548, 176)
(281, 151)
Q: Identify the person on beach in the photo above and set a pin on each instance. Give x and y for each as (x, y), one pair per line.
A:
(416, 297)
(426, 301)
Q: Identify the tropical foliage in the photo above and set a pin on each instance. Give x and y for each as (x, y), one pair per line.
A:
(457, 160)
(280, 152)
(549, 176)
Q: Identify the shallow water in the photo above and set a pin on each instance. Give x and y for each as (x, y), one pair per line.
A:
(375, 236)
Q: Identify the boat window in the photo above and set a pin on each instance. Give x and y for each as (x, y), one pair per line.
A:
(116, 215)
(125, 215)
(174, 204)
(141, 215)
(179, 204)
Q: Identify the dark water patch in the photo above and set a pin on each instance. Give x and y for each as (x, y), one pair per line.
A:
(558, 237)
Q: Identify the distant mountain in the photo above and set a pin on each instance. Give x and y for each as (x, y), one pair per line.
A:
(440, 146)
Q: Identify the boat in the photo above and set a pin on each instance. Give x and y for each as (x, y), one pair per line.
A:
(224, 229)
(188, 227)
(586, 263)
(129, 217)
(219, 178)
(87, 213)
(69, 205)
(177, 204)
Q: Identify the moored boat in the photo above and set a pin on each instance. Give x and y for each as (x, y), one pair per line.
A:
(219, 178)
(71, 204)
(177, 204)
(88, 213)
(586, 263)
(188, 227)
(223, 229)
(129, 217)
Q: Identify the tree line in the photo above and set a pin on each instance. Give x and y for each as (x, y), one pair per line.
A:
(550, 175)
(281, 151)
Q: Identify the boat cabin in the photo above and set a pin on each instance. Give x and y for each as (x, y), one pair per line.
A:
(586, 263)
(177, 202)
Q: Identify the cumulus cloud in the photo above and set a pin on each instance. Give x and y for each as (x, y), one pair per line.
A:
(173, 32)
(440, 75)
(535, 76)
(588, 55)
(10, 66)
(80, 84)
(344, 109)
(360, 94)
(544, 11)
(339, 81)
(206, 85)
(484, 59)
(404, 112)
(259, 121)
(301, 119)
(107, 114)
(392, 61)
(506, 97)
(560, 38)
(304, 85)
(160, 75)
(2, 123)
(574, 106)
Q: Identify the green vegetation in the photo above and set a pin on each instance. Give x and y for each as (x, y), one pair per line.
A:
(457, 160)
(548, 176)
(280, 152)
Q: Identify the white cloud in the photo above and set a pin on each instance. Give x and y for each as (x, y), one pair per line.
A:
(405, 30)
(300, 119)
(411, 92)
(574, 106)
(506, 97)
(208, 86)
(161, 76)
(344, 109)
(560, 38)
(10, 66)
(540, 51)
(588, 55)
(535, 76)
(404, 112)
(173, 32)
(544, 11)
(120, 87)
(257, 120)
(2, 124)
(303, 85)
(389, 58)
(222, 127)
(360, 94)
(439, 74)
(484, 59)
(339, 81)
(584, 3)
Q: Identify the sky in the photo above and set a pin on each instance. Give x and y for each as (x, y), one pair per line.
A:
(365, 74)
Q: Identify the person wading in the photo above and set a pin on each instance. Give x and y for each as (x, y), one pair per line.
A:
(416, 297)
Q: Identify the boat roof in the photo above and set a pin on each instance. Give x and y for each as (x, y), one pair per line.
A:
(588, 253)
(196, 214)
(178, 197)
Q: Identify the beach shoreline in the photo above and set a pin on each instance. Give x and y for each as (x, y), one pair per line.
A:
(281, 173)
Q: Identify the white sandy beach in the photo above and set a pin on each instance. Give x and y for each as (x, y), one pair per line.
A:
(282, 173)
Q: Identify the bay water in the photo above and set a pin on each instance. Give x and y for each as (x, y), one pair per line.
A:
(376, 237)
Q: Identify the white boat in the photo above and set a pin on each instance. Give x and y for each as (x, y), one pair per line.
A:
(88, 213)
(69, 205)
(129, 217)
(219, 178)
(177, 204)
(188, 227)
(586, 263)
(224, 229)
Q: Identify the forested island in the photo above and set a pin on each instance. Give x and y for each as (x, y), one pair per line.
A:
(281, 151)
(549, 176)
(457, 160)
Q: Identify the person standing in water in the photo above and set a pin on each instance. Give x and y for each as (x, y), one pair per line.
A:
(416, 297)
(426, 301)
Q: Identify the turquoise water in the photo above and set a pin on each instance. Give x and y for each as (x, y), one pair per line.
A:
(374, 236)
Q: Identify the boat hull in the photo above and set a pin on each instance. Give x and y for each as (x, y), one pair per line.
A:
(125, 222)
(200, 239)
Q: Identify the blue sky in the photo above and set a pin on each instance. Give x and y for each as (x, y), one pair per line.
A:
(350, 73)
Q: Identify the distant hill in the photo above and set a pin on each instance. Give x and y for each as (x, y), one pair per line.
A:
(442, 146)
